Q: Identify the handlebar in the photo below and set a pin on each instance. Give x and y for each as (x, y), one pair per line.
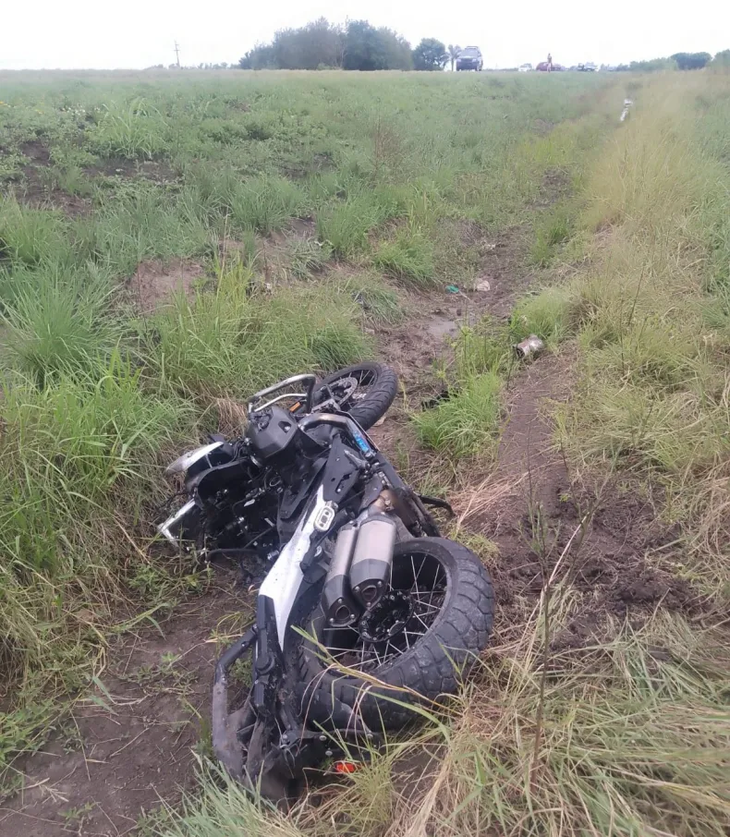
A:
(310, 379)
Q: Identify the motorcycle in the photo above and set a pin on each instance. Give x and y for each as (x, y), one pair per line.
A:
(363, 608)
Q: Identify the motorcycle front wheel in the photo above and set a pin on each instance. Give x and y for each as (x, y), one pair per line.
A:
(364, 390)
(421, 638)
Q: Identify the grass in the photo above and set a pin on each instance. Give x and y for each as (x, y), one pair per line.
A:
(654, 388)
(546, 314)
(59, 325)
(408, 258)
(265, 204)
(344, 227)
(380, 303)
(466, 423)
(555, 229)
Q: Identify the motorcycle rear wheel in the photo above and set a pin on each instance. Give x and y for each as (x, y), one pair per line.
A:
(446, 608)
(364, 390)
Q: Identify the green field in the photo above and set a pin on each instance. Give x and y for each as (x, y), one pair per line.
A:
(171, 241)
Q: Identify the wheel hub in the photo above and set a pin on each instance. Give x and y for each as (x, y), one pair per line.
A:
(388, 618)
(345, 388)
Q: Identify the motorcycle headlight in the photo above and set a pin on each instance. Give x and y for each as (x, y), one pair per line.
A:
(182, 463)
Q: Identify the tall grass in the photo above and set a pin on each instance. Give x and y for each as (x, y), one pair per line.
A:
(29, 236)
(467, 422)
(265, 204)
(77, 458)
(232, 342)
(58, 324)
(655, 387)
(408, 258)
(135, 130)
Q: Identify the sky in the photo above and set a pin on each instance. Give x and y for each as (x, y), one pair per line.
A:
(74, 34)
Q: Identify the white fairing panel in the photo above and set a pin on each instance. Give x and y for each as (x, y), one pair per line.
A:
(282, 583)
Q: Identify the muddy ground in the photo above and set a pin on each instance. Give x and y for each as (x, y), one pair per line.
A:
(135, 741)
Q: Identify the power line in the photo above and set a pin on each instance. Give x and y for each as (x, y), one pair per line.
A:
(177, 54)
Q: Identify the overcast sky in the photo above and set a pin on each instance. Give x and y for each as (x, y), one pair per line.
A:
(139, 33)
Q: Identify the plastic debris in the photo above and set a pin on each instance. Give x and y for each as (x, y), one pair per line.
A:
(452, 289)
(484, 285)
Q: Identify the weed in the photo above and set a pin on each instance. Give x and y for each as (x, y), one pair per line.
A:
(555, 230)
(135, 130)
(265, 204)
(308, 258)
(59, 325)
(380, 303)
(484, 347)
(466, 423)
(345, 227)
(546, 314)
(30, 236)
(408, 258)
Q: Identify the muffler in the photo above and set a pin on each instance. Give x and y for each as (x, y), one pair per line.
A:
(360, 570)
(372, 559)
(339, 609)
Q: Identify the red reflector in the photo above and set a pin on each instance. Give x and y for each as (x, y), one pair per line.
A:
(345, 767)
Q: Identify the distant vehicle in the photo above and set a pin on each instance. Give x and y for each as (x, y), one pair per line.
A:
(525, 68)
(543, 67)
(470, 58)
(590, 67)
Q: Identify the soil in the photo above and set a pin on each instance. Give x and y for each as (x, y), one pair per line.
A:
(155, 282)
(531, 505)
(133, 741)
(138, 736)
(35, 191)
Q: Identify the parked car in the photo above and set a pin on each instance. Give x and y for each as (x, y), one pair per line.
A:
(590, 67)
(543, 67)
(525, 68)
(470, 58)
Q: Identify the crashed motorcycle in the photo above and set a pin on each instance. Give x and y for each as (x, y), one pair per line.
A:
(363, 609)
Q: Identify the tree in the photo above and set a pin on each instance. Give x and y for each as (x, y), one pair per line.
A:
(722, 59)
(261, 57)
(368, 48)
(396, 49)
(691, 60)
(322, 44)
(317, 43)
(430, 54)
(454, 50)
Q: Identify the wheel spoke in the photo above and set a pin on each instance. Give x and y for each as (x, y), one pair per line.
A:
(421, 621)
(400, 620)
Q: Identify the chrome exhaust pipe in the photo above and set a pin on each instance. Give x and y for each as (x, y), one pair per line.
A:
(372, 559)
(340, 610)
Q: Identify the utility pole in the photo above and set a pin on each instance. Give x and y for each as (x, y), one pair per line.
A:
(177, 54)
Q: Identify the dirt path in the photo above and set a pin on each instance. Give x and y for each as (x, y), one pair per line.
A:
(133, 741)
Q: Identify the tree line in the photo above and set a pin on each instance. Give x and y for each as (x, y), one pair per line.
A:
(680, 61)
(356, 46)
